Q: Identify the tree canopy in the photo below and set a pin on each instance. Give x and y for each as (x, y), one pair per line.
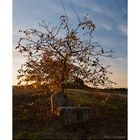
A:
(61, 54)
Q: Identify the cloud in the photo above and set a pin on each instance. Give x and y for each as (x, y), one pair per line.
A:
(111, 11)
(18, 60)
(93, 6)
(104, 26)
(123, 29)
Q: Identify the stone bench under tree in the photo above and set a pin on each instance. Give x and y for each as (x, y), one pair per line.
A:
(74, 114)
(63, 107)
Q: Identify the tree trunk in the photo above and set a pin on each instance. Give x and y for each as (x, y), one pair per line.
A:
(62, 88)
(63, 76)
(62, 84)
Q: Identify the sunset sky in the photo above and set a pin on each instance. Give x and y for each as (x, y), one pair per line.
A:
(110, 17)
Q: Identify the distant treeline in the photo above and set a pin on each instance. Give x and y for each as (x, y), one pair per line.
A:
(116, 89)
(71, 85)
(77, 84)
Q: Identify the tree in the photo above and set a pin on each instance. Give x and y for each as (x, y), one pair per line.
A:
(58, 55)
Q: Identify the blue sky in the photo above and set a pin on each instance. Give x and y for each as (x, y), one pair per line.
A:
(110, 17)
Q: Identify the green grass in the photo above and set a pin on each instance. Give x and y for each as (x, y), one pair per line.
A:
(80, 97)
(32, 117)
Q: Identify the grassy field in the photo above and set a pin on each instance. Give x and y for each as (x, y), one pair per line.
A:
(32, 117)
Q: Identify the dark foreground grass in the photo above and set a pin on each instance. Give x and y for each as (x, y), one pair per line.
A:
(32, 117)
